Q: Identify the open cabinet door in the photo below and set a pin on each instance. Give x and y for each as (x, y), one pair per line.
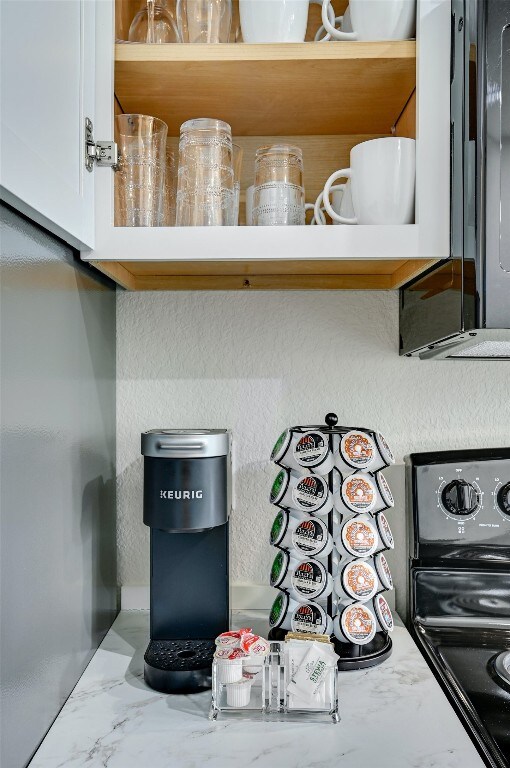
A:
(47, 91)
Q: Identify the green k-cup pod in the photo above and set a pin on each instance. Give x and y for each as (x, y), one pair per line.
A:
(279, 528)
(279, 568)
(281, 446)
(279, 486)
(279, 609)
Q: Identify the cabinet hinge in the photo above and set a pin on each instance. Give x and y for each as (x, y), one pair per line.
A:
(102, 153)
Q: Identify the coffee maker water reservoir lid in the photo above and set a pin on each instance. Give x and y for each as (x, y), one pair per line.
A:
(186, 443)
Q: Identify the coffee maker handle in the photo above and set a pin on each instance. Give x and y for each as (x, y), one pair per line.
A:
(181, 447)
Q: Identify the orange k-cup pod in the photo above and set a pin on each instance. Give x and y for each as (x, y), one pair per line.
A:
(355, 624)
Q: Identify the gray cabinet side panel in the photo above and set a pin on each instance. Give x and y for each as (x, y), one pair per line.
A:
(57, 535)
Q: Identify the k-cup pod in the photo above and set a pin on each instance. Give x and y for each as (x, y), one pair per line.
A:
(384, 495)
(355, 624)
(358, 538)
(303, 579)
(311, 618)
(281, 611)
(304, 535)
(238, 693)
(312, 451)
(383, 614)
(385, 535)
(356, 581)
(384, 457)
(358, 493)
(383, 571)
(306, 493)
(356, 452)
(288, 614)
(303, 450)
(282, 450)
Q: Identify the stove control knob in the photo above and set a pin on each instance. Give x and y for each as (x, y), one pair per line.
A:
(460, 498)
(504, 498)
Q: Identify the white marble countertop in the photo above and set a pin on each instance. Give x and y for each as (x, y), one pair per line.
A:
(393, 716)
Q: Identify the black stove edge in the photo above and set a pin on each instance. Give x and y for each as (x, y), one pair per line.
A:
(444, 457)
(462, 706)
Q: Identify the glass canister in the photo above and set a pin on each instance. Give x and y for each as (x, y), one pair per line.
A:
(279, 194)
(205, 184)
(140, 179)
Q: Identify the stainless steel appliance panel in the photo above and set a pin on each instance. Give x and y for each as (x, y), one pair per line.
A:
(58, 541)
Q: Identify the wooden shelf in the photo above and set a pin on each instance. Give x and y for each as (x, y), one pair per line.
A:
(262, 275)
(300, 89)
(209, 258)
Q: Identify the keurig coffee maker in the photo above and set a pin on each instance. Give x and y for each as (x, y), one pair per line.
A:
(186, 504)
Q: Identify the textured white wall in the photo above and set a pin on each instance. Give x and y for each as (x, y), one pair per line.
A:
(258, 362)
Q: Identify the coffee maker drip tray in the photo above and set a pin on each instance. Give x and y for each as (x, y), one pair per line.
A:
(172, 666)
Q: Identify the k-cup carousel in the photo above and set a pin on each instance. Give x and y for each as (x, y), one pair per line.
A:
(331, 534)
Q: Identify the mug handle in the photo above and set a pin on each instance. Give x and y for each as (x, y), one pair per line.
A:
(318, 216)
(318, 35)
(332, 20)
(345, 173)
(337, 34)
(320, 222)
(311, 207)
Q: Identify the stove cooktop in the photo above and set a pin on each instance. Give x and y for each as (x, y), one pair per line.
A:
(474, 665)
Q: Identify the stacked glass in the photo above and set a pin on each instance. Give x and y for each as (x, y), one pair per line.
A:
(279, 194)
(140, 178)
(205, 186)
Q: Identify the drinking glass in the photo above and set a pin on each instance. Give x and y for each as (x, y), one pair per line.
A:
(237, 164)
(279, 195)
(140, 178)
(249, 205)
(205, 184)
(170, 191)
(154, 23)
(204, 21)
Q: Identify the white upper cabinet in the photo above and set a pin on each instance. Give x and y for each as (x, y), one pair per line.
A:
(64, 60)
(47, 90)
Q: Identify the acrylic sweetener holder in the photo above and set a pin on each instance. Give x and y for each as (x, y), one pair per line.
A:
(262, 691)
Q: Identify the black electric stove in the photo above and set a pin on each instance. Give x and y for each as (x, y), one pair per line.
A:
(459, 591)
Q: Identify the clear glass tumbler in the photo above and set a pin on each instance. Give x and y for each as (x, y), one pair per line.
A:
(204, 21)
(205, 184)
(154, 23)
(279, 194)
(170, 191)
(237, 164)
(140, 179)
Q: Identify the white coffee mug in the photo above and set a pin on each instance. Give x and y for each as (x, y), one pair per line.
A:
(249, 205)
(278, 21)
(341, 200)
(382, 174)
(375, 20)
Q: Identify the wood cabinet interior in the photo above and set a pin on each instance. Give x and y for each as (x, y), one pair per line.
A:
(324, 97)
